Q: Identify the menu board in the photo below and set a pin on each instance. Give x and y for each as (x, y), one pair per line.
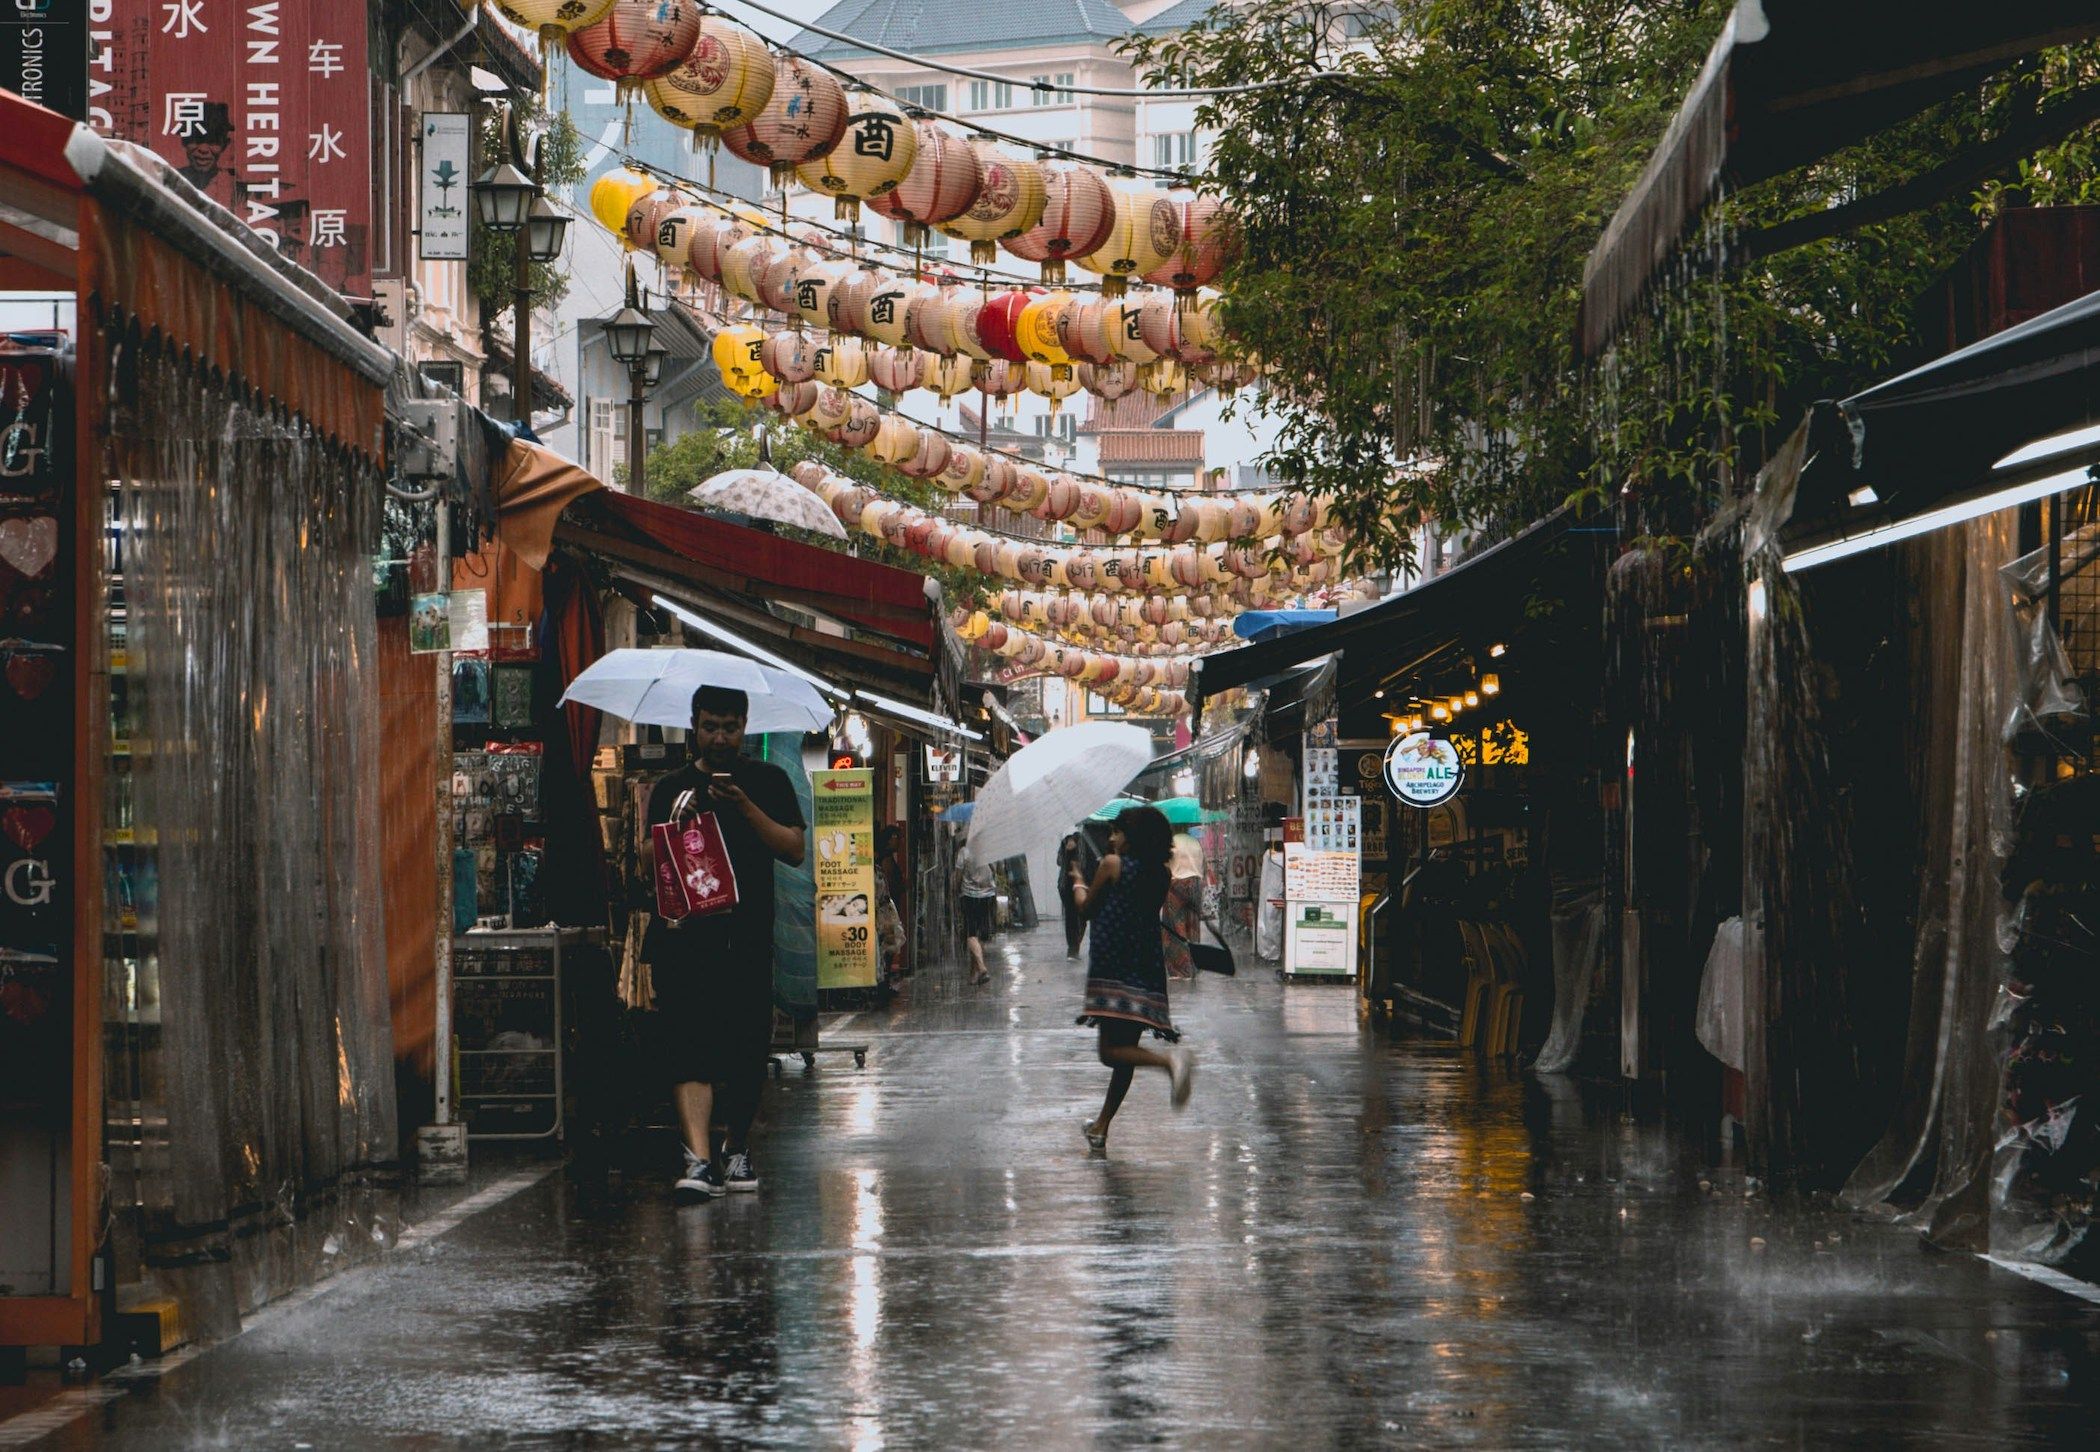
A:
(1320, 891)
(843, 806)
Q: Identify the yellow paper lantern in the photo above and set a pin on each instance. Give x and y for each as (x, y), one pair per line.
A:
(1009, 202)
(842, 362)
(613, 194)
(1146, 229)
(727, 79)
(877, 151)
(553, 20)
(1054, 382)
(736, 349)
(1037, 331)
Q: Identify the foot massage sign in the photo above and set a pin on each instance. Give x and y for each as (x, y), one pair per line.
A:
(844, 814)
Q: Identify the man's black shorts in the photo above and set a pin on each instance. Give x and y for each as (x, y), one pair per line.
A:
(711, 1026)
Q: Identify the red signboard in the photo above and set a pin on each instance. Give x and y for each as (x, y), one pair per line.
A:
(263, 105)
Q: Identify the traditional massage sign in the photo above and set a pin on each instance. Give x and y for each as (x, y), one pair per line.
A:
(843, 809)
(262, 105)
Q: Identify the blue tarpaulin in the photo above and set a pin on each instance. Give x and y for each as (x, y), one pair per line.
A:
(1268, 624)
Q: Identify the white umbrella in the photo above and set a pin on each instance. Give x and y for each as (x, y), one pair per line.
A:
(1053, 782)
(766, 493)
(655, 688)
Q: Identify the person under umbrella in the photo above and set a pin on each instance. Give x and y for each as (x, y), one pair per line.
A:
(1126, 985)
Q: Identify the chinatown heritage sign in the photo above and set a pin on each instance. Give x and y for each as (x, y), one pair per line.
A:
(1423, 770)
(262, 105)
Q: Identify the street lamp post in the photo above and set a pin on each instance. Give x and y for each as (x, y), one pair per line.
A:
(629, 337)
(514, 204)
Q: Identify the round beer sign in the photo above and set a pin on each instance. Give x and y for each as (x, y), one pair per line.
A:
(1423, 770)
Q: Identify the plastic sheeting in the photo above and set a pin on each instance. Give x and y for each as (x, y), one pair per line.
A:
(1578, 964)
(250, 1056)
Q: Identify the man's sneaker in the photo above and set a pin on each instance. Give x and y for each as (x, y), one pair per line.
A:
(701, 1180)
(741, 1175)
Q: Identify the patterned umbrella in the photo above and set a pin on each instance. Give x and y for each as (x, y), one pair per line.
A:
(1051, 783)
(765, 493)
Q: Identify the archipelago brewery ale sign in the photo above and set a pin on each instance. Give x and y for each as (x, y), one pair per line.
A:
(1423, 770)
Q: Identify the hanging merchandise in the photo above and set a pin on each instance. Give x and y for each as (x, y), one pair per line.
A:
(801, 121)
(874, 154)
(636, 41)
(1079, 212)
(1143, 231)
(1009, 202)
(725, 78)
(942, 184)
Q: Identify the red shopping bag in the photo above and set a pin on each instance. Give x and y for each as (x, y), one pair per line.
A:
(694, 876)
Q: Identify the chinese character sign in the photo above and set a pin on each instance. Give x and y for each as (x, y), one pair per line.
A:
(1503, 744)
(263, 105)
(843, 809)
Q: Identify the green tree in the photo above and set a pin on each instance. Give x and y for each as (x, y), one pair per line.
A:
(1414, 231)
(492, 256)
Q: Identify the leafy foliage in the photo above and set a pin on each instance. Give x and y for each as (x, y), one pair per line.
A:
(1414, 232)
(492, 257)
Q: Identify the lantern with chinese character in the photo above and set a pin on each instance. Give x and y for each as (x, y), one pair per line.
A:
(863, 422)
(636, 41)
(790, 357)
(552, 20)
(1082, 330)
(946, 377)
(1078, 212)
(801, 121)
(1145, 229)
(1009, 202)
(849, 303)
(1203, 238)
(725, 78)
(842, 362)
(643, 214)
(963, 471)
(886, 313)
(737, 351)
(776, 285)
(874, 154)
(1037, 330)
(813, 290)
(674, 235)
(1123, 325)
(999, 378)
(941, 185)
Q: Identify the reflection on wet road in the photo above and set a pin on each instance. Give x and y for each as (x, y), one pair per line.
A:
(1342, 1242)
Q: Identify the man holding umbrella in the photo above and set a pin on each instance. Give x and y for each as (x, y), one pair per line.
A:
(714, 974)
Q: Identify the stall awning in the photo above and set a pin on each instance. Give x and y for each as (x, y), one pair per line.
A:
(1951, 439)
(1790, 81)
(735, 571)
(1477, 603)
(1269, 624)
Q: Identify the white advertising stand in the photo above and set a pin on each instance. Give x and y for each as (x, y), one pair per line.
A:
(1322, 872)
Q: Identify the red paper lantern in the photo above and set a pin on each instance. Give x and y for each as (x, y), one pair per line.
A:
(941, 185)
(1078, 213)
(639, 40)
(996, 324)
(802, 120)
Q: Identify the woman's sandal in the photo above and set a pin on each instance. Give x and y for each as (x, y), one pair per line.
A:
(1096, 1137)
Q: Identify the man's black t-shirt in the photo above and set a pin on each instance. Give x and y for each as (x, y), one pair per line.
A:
(743, 936)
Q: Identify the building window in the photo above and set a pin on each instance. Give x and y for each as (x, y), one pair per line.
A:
(991, 95)
(1050, 90)
(445, 375)
(926, 98)
(1174, 151)
(937, 245)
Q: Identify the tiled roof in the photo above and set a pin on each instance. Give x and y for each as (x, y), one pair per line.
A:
(924, 27)
(1137, 410)
(1152, 446)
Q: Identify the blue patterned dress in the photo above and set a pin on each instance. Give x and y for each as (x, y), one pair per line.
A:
(1126, 972)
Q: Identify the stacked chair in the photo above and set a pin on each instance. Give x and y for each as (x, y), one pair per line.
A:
(1494, 1008)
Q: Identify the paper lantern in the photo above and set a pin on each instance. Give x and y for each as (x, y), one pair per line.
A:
(744, 266)
(1009, 202)
(894, 370)
(1031, 566)
(849, 301)
(830, 409)
(1298, 513)
(946, 377)
(928, 458)
(1059, 499)
(995, 636)
(1203, 238)
(997, 321)
(712, 237)
(1124, 512)
(1056, 383)
(1078, 213)
(1185, 566)
(963, 471)
(1083, 333)
(999, 476)
(1082, 569)
(726, 77)
(737, 351)
(1123, 324)
(1163, 377)
(1095, 500)
(1037, 329)
(887, 307)
(874, 153)
(1182, 522)
(1230, 377)
(842, 362)
(1108, 383)
(636, 41)
(863, 421)
(1144, 229)
(776, 284)
(1027, 491)
(896, 441)
(795, 399)
(929, 318)
(998, 378)
(813, 289)
(613, 194)
(964, 312)
(942, 184)
(812, 475)
(642, 216)
(801, 121)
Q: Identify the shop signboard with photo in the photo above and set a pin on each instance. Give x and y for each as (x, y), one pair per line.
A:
(843, 810)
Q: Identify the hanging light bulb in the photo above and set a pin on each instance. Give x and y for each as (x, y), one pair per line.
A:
(1491, 684)
(1472, 698)
(1497, 650)
(1455, 704)
(1440, 712)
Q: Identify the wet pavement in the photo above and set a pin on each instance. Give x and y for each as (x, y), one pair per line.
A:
(1342, 1242)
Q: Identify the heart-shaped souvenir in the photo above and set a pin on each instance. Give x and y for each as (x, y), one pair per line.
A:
(30, 544)
(26, 827)
(31, 675)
